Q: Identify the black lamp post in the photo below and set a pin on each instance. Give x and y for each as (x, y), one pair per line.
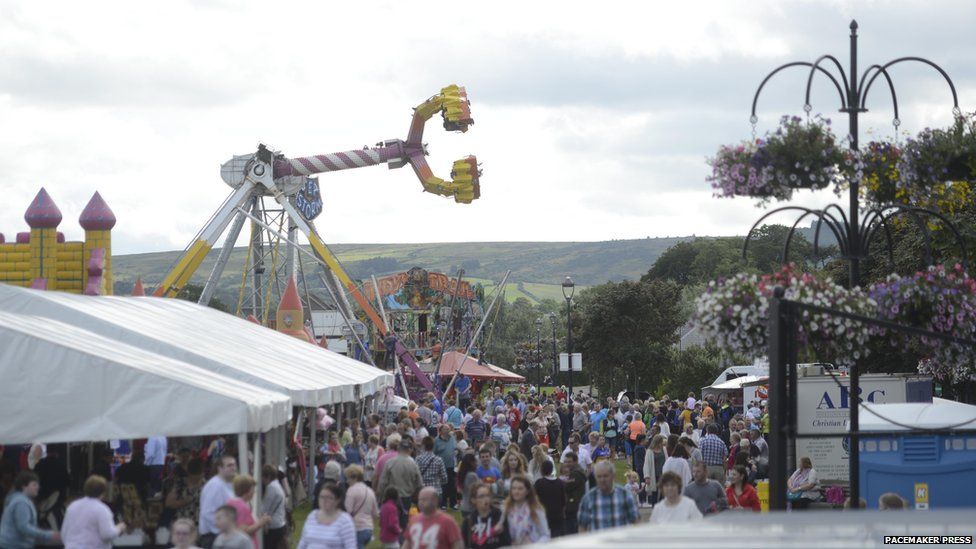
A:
(538, 352)
(854, 232)
(555, 354)
(569, 288)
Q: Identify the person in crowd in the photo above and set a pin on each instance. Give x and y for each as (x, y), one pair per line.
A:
(487, 472)
(707, 494)
(565, 416)
(183, 499)
(453, 416)
(183, 534)
(355, 451)
(155, 460)
(360, 503)
(482, 527)
(445, 447)
(741, 494)
(432, 470)
(890, 501)
(758, 442)
(602, 449)
(229, 536)
(467, 477)
(574, 484)
(528, 439)
(582, 454)
(136, 473)
(88, 522)
(244, 487)
(18, 525)
(476, 429)
(392, 443)
(431, 528)
(525, 518)
(673, 506)
(373, 453)
(638, 454)
(273, 505)
(714, 453)
(694, 453)
(552, 494)
(215, 494)
(513, 465)
(329, 527)
(403, 474)
(677, 463)
(803, 486)
(654, 466)
(540, 455)
(634, 485)
(501, 433)
(636, 428)
(390, 531)
(609, 429)
(606, 505)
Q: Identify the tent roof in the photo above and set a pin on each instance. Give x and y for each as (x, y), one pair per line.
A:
(210, 339)
(733, 384)
(454, 359)
(65, 384)
(938, 414)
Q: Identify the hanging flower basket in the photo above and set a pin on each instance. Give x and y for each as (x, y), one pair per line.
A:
(734, 314)
(798, 155)
(879, 173)
(939, 155)
(941, 300)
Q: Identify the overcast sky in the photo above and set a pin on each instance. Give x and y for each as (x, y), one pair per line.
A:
(592, 120)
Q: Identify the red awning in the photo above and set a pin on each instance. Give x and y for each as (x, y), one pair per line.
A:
(453, 360)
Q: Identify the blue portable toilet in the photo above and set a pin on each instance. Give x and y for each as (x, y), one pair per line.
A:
(928, 471)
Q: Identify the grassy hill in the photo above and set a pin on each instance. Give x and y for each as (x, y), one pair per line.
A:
(538, 268)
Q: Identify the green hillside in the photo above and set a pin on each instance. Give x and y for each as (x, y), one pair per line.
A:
(538, 268)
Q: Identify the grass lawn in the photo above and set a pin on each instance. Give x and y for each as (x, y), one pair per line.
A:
(301, 512)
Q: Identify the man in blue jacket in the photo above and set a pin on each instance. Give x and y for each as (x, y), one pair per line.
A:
(18, 526)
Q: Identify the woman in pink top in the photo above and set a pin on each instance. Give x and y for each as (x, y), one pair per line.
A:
(360, 502)
(244, 492)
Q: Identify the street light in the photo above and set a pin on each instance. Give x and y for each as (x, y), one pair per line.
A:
(538, 354)
(569, 288)
(555, 354)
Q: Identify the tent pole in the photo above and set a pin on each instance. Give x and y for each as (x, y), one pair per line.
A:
(313, 423)
(256, 503)
(242, 452)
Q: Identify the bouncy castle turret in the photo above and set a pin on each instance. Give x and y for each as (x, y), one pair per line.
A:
(42, 259)
(43, 218)
(290, 318)
(98, 220)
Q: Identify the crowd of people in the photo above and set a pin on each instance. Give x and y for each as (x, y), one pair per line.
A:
(505, 469)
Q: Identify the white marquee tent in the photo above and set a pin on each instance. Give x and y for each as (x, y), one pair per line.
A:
(61, 383)
(216, 341)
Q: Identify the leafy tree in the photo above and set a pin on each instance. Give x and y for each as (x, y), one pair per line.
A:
(626, 330)
(191, 292)
(691, 369)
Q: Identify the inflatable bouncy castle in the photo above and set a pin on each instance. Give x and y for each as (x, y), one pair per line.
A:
(42, 259)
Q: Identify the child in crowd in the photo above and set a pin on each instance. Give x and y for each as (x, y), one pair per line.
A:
(634, 485)
(390, 519)
(230, 537)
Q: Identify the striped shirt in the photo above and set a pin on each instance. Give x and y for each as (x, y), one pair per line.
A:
(341, 534)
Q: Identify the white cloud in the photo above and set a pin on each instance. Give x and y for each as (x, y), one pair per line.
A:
(592, 120)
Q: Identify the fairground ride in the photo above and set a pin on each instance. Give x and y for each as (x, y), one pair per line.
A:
(269, 174)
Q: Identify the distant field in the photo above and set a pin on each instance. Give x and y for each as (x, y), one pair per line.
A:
(539, 266)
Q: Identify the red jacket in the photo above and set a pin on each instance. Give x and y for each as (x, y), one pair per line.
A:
(748, 500)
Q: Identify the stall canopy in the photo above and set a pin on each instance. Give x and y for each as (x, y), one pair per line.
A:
(735, 384)
(454, 360)
(938, 414)
(216, 341)
(60, 383)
